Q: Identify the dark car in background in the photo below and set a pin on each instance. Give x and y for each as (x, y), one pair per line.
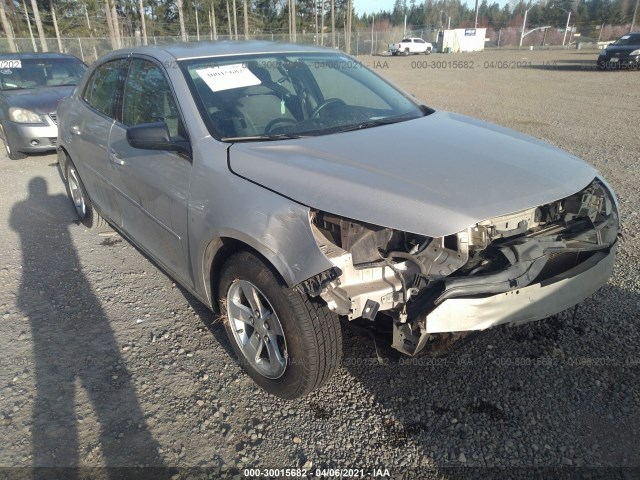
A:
(623, 53)
(31, 85)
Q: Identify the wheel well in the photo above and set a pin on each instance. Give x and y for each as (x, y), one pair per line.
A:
(228, 248)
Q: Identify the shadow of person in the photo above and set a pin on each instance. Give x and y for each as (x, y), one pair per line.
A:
(73, 347)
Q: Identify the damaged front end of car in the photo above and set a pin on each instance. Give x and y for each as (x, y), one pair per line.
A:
(509, 269)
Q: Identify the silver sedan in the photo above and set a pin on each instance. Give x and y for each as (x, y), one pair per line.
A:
(31, 85)
(289, 187)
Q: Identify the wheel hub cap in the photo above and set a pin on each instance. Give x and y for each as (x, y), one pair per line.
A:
(257, 329)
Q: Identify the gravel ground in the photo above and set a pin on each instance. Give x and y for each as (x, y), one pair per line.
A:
(106, 362)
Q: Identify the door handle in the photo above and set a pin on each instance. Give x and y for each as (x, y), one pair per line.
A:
(116, 158)
(75, 129)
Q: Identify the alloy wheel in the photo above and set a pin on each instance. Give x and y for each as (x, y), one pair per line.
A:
(257, 329)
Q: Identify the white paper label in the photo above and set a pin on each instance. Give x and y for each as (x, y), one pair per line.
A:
(624, 37)
(226, 77)
(10, 64)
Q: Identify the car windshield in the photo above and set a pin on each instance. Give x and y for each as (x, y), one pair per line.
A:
(17, 74)
(628, 40)
(273, 97)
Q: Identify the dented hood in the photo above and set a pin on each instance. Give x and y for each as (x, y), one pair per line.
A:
(434, 176)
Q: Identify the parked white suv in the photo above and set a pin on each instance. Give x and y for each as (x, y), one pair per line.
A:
(410, 45)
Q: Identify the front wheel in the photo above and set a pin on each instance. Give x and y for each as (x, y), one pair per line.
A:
(427, 51)
(288, 343)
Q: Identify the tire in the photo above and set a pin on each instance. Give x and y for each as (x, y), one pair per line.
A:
(406, 52)
(298, 349)
(81, 202)
(427, 51)
(12, 153)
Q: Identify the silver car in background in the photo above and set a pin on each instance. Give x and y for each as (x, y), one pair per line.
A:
(31, 85)
(289, 186)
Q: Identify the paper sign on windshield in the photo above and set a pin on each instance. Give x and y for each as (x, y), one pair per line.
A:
(226, 77)
(10, 64)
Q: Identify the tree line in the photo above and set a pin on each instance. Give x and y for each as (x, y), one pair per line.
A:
(245, 18)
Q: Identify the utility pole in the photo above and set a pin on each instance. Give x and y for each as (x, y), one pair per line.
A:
(475, 25)
(635, 12)
(373, 28)
(564, 38)
(524, 23)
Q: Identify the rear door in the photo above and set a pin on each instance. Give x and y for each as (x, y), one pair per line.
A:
(152, 186)
(88, 126)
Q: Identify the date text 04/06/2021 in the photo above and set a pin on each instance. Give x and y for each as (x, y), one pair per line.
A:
(318, 472)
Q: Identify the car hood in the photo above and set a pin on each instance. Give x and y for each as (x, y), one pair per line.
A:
(39, 100)
(433, 176)
(620, 49)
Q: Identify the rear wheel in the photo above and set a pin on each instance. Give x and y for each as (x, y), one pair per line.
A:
(12, 153)
(288, 343)
(78, 195)
(406, 52)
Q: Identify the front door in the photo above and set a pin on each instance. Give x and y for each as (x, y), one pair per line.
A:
(152, 186)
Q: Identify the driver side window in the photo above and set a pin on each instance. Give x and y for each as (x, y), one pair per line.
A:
(148, 97)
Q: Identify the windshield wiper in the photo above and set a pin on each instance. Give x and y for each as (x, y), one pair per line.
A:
(11, 89)
(264, 138)
(376, 123)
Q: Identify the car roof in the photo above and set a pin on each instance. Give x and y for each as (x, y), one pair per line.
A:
(36, 56)
(188, 50)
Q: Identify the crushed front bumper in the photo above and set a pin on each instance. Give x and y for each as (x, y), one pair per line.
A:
(533, 302)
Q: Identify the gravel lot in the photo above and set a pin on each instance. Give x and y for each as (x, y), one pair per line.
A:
(106, 362)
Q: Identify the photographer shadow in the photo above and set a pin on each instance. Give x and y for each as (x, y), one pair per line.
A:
(74, 348)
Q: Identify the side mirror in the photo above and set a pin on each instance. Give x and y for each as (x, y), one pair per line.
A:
(155, 136)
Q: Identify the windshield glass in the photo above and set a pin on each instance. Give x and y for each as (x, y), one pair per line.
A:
(270, 97)
(16, 74)
(628, 40)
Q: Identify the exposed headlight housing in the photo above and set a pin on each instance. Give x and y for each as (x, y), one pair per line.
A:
(603, 52)
(22, 115)
(635, 52)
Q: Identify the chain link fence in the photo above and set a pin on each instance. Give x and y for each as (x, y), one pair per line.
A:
(91, 48)
(362, 42)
